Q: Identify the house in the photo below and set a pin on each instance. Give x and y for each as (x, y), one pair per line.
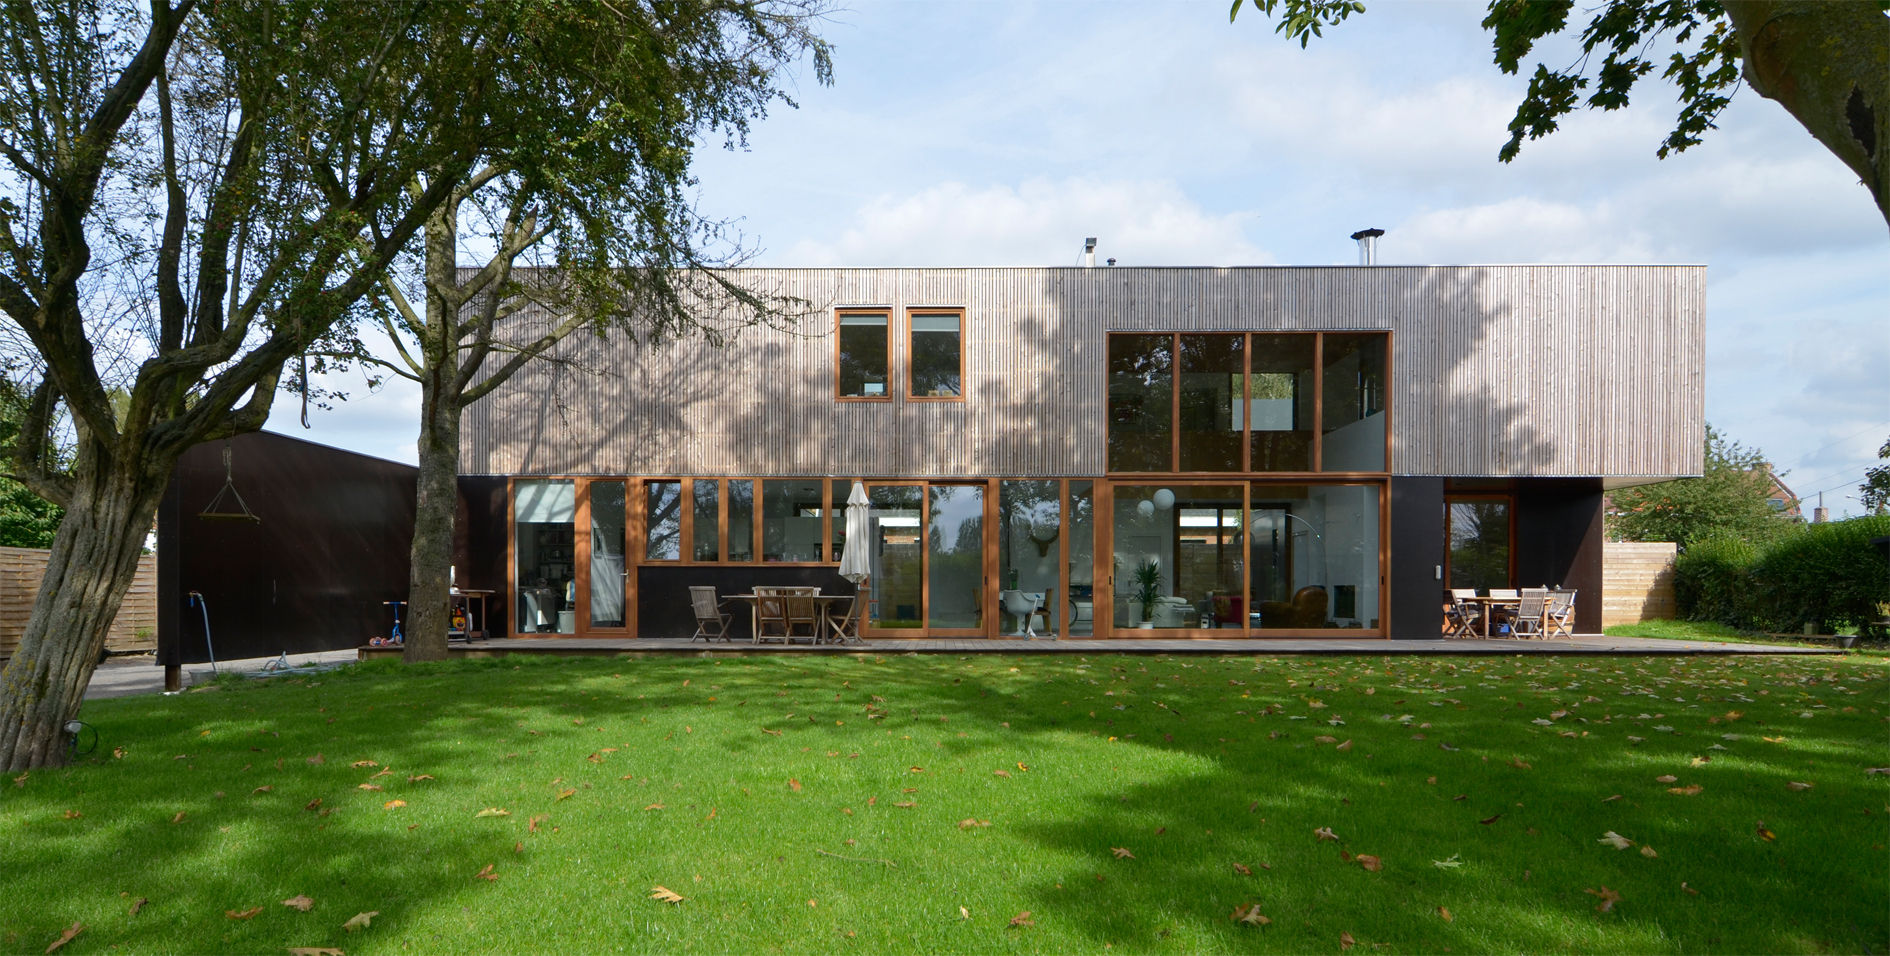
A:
(1267, 451)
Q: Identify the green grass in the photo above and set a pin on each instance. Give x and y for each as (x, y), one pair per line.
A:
(1709, 631)
(767, 790)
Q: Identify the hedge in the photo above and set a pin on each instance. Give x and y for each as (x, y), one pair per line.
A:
(1826, 575)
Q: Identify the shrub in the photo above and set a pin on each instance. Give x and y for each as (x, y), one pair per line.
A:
(1712, 581)
(1825, 575)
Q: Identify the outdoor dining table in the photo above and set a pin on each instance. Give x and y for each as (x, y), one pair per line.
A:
(1490, 604)
(820, 623)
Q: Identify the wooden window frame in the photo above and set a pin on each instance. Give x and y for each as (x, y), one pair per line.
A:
(839, 317)
(1508, 498)
(913, 312)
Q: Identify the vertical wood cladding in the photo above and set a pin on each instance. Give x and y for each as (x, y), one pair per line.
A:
(1496, 370)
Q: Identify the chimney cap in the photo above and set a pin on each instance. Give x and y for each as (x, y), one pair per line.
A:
(1089, 244)
(1367, 233)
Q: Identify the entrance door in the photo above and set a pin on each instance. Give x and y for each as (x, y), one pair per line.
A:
(927, 558)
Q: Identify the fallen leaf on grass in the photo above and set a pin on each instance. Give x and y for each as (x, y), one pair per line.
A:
(1444, 911)
(370, 786)
(906, 804)
(314, 951)
(1608, 899)
(1243, 869)
(317, 760)
(794, 785)
(1766, 835)
(1795, 785)
(419, 777)
(566, 794)
(363, 764)
(1690, 890)
(1486, 821)
(969, 822)
(1519, 764)
(654, 806)
(533, 824)
(1691, 789)
(1023, 919)
(1867, 770)
(243, 914)
(493, 812)
(138, 904)
(1610, 799)
(964, 913)
(360, 920)
(312, 805)
(1370, 862)
(665, 894)
(486, 873)
(265, 788)
(1615, 840)
(771, 733)
(393, 804)
(1449, 864)
(1249, 914)
(71, 931)
(302, 903)
(1346, 941)
(1666, 778)
(1122, 853)
(179, 818)
(1002, 773)
(1648, 852)
(1325, 833)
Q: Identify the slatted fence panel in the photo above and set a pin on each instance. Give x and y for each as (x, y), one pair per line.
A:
(21, 570)
(1636, 582)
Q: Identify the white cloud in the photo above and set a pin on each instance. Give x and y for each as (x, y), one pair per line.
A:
(1037, 222)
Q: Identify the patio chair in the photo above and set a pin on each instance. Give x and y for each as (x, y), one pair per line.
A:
(1463, 615)
(803, 618)
(843, 620)
(1560, 615)
(711, 621)
(1503, 607)
(1530, 607)
(771, 616)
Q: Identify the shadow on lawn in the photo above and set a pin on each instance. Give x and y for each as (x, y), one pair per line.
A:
(1526, 836)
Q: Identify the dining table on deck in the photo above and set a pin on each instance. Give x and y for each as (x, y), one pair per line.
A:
(1489, 605)
(820, 621)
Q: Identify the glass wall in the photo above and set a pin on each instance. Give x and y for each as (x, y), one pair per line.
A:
(706, 526)
(954, 557)
(1280, 412)
(1141, 401)
(544, 541)
(1352, 415)
(741, 519)
(837, 498)
(1314, 551)
(1082, 532)
(662, 520)
(607, 554)
(1213, 371)
(1029, 526)
(1477, 530)
(790, 519)
(898, 558)
(1177, 548)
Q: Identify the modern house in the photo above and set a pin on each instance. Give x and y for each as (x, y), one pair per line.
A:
(1169, 452)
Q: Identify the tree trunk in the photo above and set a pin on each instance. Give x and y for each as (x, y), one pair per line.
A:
(93, 561)
(1828, 64)
(435, 500)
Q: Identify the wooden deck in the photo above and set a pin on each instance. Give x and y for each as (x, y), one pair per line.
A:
(1581, 644)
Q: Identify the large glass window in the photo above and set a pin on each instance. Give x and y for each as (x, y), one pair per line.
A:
(544, 540)
(662, 520)
(1141, 397)
(1280, 412)
(707, 524)
(741, 519)
(1029, 526)
(607, 554)
(1478, 532)
(1177, 549)
(897, 557)
(937, 355)
(837, 496)
(790, 519)
(1352, 415)
(1313, 555)
(955, 557)
(1082, 530)
(862, 358)
(1211, 377)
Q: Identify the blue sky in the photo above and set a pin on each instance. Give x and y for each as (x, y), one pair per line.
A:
(1002, 133)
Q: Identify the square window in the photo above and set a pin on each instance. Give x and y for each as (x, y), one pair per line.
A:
(862, 350)
(937, 356)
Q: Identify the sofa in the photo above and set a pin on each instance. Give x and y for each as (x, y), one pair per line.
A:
(1307, 609)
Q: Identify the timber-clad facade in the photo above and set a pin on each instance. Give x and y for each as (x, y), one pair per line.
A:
(1187, 452)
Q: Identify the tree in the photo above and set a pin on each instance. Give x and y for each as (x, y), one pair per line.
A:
(247, 172)
(1729, 499)
(1875, 491)
(1827, 62)
(595, 205)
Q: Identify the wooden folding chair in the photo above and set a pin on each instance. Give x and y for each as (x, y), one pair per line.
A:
(1530, 608)
(771, 617)
(845, 626)
(1463, 615)
(803, 618)
(711, 622)
(1560, 615)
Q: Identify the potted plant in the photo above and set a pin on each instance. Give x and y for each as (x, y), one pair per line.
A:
(1148, 588)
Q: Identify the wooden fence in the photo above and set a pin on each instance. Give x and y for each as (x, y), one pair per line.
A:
(1636, 582)
(20, 572)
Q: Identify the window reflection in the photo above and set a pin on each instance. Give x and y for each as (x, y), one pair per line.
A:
(1141, 400)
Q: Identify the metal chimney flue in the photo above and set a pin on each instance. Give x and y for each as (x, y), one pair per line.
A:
(1368, 245)
(1089, 252)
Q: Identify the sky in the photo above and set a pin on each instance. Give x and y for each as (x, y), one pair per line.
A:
(1002, 133)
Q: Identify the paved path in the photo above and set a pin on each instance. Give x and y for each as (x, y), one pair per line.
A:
(140, 673)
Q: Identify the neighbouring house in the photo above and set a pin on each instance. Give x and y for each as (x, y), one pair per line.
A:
(1267, 451)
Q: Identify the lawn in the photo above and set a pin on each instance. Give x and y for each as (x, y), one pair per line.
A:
(1709, 631)
(986, 804)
